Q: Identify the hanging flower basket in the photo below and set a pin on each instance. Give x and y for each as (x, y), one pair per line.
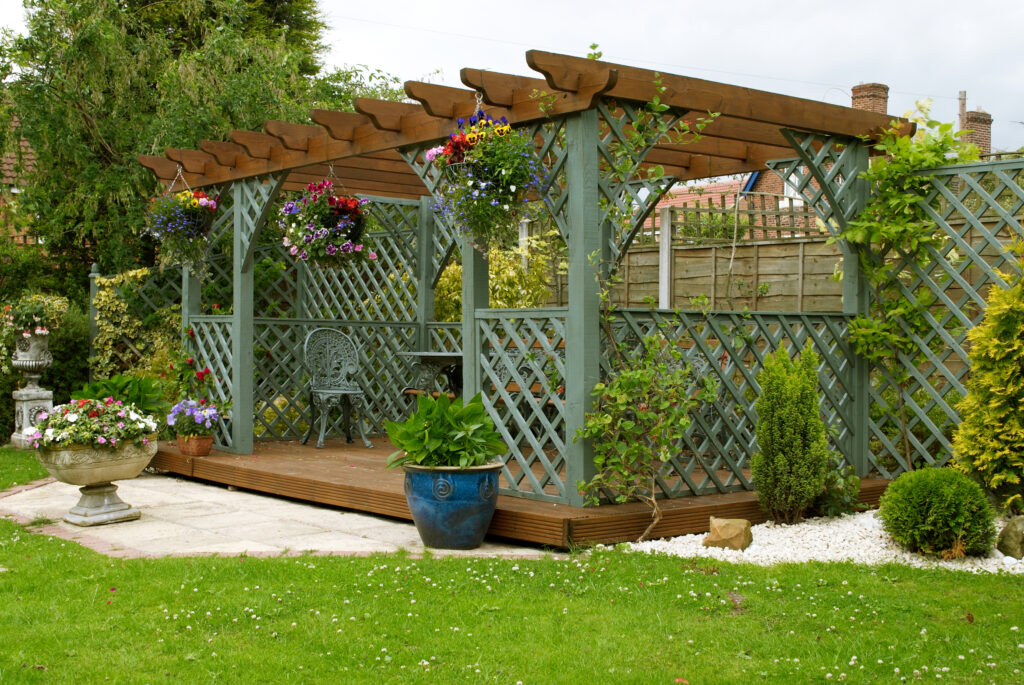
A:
(325, 228)
(489, 172)
(181, 222)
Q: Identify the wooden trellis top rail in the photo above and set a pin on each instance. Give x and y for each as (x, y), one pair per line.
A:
(363, 146)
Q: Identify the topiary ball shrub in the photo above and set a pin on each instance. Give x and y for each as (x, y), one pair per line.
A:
(938, 512)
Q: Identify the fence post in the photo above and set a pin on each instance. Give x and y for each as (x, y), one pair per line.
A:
(665, 258)
(191, 299)
(94, 273)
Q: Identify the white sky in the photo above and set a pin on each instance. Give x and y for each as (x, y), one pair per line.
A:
(815, 49)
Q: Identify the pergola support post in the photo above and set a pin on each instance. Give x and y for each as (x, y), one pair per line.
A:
(856, 301)
(191, 298)
(588, 239)
(474, 296)
(424, 271)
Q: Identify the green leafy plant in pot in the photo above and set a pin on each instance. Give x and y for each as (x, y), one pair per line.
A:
(448, 450)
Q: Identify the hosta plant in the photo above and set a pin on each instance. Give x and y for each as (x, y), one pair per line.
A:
(444, 432)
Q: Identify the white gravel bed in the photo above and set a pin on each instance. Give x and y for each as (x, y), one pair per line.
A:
(855, 537)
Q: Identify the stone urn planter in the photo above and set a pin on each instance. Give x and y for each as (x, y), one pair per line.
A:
(452, 507)
(94, 469)
(31, 356)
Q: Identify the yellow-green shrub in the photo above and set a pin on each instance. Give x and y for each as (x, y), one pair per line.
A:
(989, 443)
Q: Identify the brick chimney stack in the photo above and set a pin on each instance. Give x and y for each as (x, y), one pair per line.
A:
(978, 125)
(873, 97)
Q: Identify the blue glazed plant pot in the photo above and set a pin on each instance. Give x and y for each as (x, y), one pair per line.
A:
(452, 507)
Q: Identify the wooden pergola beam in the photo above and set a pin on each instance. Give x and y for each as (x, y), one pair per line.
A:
(564, 72)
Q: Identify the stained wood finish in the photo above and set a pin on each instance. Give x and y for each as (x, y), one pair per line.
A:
(741, 139)
(354, 477)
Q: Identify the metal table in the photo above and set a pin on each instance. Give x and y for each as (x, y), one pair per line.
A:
(430, 364)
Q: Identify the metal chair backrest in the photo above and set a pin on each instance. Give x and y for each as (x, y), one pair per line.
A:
(332, 360)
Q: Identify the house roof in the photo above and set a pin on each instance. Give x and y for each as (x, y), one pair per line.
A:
(9, 175)
(363, 146)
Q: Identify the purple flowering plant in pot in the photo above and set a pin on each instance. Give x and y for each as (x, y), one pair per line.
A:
(325, 228)
(193, 422)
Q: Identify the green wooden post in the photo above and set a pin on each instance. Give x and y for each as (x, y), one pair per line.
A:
(587, 237)
(191, 298)
(94, 273)
(474, 296)
(855, 303)
(424, 271)
(241, 326)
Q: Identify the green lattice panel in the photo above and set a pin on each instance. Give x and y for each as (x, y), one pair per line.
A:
(211, 345)
(523, 367)
(281, 403)
(275, 289)
(627, 195)
(978, 207)
(445, 337)
(825, 174)
(714, 457)
(379, 290)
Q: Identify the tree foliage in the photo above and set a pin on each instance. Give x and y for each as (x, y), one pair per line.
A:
(91, 85)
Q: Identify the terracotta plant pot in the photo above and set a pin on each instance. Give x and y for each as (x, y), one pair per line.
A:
(195, 445)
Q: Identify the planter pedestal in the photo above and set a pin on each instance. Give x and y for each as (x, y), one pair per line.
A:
(100, 504)
(29, 403)
(31, 356)
(93, 468)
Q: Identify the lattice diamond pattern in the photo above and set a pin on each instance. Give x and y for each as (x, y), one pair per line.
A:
(978, 207)
(524, 378)
(445, 337)
(826, 174)
(212, 347)
(620, 189)
(282, 408)
(715, 455)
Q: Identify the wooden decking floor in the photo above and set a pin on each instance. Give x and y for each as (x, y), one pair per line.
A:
(354, 477)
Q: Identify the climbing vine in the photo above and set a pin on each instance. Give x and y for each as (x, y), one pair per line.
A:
(890, 235)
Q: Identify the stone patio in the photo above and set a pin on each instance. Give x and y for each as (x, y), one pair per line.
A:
(186, 518)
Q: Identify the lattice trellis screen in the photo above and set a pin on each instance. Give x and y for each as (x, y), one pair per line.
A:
(282, 407)
(979, 208)
(211, 344)
(522, 356)
(715, 455)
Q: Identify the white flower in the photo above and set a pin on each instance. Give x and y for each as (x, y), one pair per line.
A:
(133, 416)
(512, 188)
(48, 434)
(71, 417)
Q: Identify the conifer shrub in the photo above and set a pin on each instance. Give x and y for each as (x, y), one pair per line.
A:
(789, 468)
(938, 512)
(989, 443)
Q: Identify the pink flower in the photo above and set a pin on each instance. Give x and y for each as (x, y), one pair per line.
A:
(373, 255)
(358, 248)
(101, 440)
(294, 250)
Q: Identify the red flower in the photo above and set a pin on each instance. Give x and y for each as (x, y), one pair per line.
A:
(206, 370)
(191, 333)
(190, 361)
(199, 375)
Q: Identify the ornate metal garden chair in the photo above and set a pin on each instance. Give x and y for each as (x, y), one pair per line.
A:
(332, 362)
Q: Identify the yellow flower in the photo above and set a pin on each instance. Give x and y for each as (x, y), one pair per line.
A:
(195, 202)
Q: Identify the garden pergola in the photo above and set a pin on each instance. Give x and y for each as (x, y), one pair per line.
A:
(576, 114)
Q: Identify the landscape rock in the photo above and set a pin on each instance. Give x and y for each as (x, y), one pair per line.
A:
(1011, 540)
(729, 533)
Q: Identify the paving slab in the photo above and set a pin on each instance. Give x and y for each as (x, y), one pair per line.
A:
(181, 517)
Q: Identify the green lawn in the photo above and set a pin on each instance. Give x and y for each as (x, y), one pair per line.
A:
(18, 467)
(71, 615)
